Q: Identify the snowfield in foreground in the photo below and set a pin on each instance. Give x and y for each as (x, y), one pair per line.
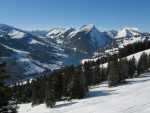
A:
(133, 97)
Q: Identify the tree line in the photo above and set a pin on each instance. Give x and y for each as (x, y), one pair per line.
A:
(73, 82)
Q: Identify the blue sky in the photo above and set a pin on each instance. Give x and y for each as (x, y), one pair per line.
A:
(105, 14)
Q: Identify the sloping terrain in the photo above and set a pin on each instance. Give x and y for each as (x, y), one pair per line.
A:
(132, 97)
(27, 55)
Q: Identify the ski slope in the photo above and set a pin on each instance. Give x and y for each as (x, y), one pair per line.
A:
(133, 97)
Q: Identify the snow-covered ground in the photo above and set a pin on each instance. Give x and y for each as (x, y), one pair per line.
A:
(134, 97)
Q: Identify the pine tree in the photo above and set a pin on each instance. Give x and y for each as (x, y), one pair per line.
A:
(3, 75)
(77, 87)
(58, 85)
(50, 98)
(113, 75)
(149, 60)
(34, 96)
(96, 75)
(131, 67)
(123, 70)
(142, 64)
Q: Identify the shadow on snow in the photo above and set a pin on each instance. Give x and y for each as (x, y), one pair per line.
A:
(65, 104)
(93, 94)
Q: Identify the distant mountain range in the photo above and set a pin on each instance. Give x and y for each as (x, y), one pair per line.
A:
(32, 53)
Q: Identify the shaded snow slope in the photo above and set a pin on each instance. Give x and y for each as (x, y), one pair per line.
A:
(134, 97)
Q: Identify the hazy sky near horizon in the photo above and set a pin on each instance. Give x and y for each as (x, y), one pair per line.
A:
(47, 14)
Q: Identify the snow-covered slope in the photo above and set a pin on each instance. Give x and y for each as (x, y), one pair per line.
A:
(130, 98)
(59, 35)
(27, 55)
(54, 32)
(128, 32)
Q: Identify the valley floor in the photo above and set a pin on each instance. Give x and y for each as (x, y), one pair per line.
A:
(134, 97)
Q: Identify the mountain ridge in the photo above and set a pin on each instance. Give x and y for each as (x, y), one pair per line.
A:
(60, 48)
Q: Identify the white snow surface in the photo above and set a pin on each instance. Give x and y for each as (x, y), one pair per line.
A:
(127, 31)
(33, 41)
(14, 34)
(133, 97)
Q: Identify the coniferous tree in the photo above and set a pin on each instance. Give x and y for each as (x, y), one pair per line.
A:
(3, 75)
(96, 75)
(4, 93)
(58, 85)
(123, 70)
(142, 64)
(34, 96)
(77, 87)
(131, 67)
(50, 98)
(113, 75)
(148, 60)
(104, 73)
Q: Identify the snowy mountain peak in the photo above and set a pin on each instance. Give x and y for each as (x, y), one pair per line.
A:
(84, 28)
(128, 32)
(87, 28)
